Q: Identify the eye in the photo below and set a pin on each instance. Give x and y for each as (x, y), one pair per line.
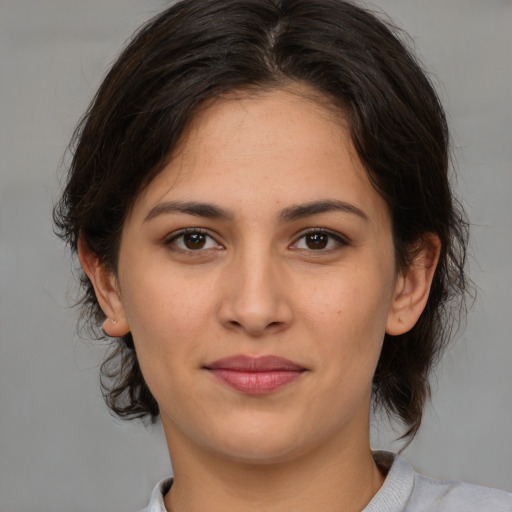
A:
(319, 240)
(192, 239)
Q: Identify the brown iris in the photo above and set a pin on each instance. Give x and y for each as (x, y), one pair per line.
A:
(317, 240)
(194, 241)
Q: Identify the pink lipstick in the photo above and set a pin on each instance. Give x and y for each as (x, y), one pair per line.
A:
(255, 375)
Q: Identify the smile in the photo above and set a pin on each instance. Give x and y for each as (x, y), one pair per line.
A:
(255, 375)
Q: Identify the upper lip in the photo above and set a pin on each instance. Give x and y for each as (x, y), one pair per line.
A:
(243, 363)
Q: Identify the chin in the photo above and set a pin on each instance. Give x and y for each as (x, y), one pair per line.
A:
(261, 454)
(260, 444)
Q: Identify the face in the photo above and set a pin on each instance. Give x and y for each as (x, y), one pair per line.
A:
(257, 276)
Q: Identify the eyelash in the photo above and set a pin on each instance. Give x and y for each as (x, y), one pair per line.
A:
(339, 240)
(171, 241)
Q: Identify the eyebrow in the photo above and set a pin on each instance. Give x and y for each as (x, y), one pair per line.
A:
(207, 210)
(289, 214)
(300, 211)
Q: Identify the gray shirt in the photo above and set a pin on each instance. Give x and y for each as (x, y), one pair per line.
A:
(404, 490)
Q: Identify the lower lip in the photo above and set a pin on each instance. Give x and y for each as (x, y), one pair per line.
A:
(256, 383)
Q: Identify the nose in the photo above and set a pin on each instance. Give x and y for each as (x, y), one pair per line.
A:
(256, 298)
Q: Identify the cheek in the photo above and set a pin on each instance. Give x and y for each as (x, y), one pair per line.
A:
(348, 314)
(166, 324)
(358, 299)
(166, 312)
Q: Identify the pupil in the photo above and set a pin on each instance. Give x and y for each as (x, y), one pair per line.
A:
(317, 241)
(195, 241)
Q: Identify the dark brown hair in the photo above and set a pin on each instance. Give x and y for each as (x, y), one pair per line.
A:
(198, 50)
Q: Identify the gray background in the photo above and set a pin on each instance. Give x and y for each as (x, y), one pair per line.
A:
(59, 448)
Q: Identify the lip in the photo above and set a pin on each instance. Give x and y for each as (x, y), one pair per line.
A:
(255, 375)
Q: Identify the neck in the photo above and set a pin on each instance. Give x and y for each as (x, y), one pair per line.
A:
(330, 478)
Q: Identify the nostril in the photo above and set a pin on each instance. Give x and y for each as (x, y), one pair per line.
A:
(271, 325)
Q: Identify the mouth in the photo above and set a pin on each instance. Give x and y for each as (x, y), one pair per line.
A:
(255, 375)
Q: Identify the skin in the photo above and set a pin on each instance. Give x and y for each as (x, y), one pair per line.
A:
(252, 282)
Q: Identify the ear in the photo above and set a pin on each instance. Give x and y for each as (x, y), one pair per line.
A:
(413, 286)
(107, 290)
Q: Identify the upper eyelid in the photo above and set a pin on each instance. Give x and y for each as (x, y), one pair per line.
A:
(184, 231)
(180, 232)
(334, 234)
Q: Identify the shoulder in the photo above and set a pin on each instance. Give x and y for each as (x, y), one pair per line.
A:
(156, 502)
(404, 490)
(448, 496)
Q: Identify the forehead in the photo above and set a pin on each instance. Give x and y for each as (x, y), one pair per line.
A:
(281, 146)
(262, 121)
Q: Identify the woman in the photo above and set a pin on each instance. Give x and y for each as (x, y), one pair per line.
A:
(259, 199)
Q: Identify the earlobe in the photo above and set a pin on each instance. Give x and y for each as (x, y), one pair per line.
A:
(413, 286)
(107, 290)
